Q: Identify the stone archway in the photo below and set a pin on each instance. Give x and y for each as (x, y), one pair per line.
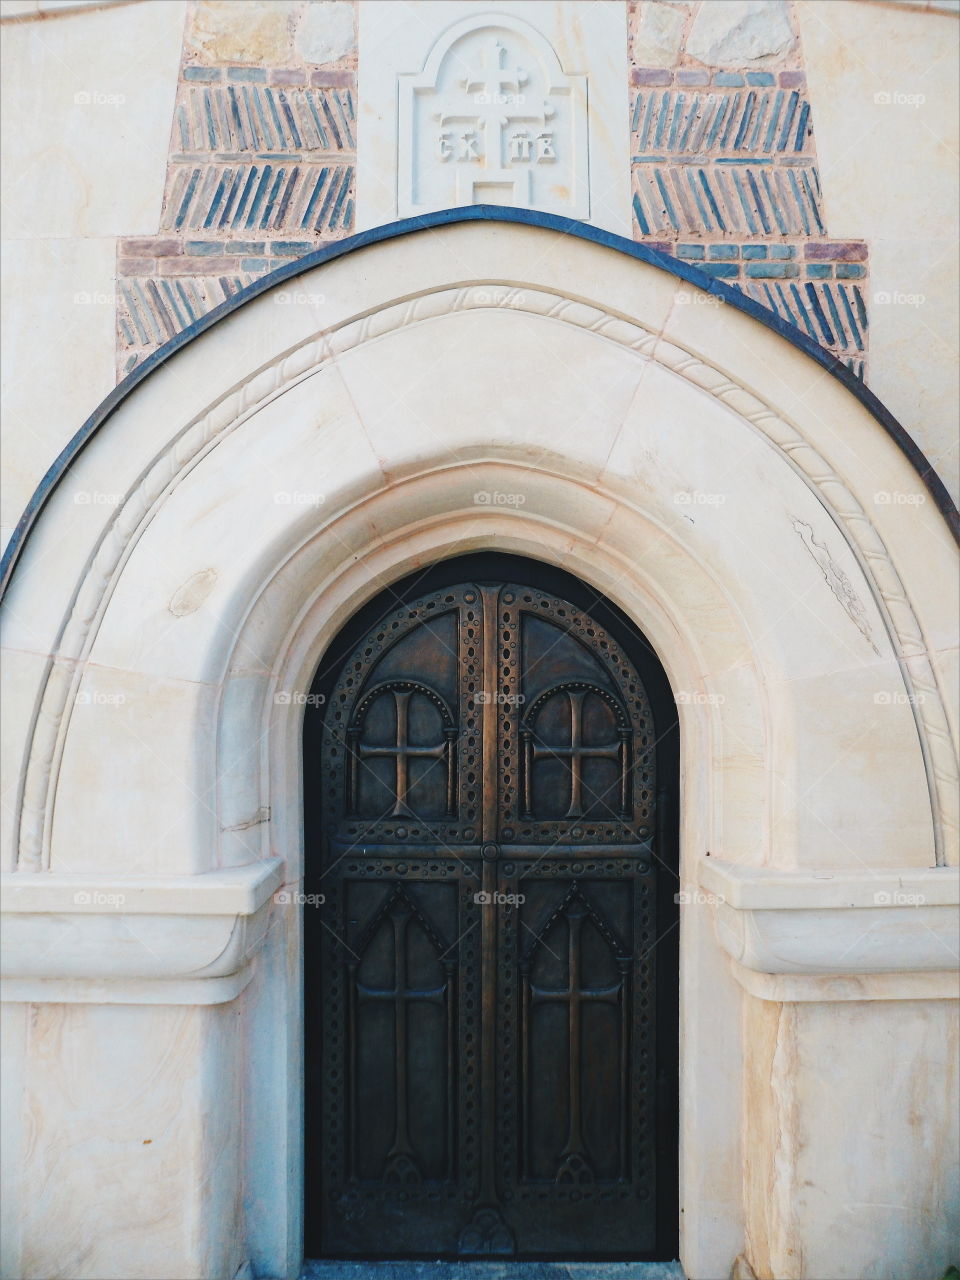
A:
(686, 461)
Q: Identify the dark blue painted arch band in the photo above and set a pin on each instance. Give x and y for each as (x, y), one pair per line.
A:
(476, 213)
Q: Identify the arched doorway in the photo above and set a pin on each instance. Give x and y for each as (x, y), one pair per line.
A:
(490, 791)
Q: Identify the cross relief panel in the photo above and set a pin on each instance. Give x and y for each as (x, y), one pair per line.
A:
(493, 118)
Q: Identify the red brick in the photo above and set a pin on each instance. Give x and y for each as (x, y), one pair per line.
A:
(199, 266)
(334, 79)
(147, 248)
(136, 266)
(287, 75)
(836, 251)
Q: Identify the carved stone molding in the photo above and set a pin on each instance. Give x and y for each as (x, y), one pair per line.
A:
(870, 935)
(142, 940)
(202, 434)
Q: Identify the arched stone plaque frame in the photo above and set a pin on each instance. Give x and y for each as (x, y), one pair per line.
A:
(484, 384)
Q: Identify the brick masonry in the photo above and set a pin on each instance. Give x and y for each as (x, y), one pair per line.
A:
(725, 176)
(262, 168)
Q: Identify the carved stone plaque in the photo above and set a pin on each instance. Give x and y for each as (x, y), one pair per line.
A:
(493, 119)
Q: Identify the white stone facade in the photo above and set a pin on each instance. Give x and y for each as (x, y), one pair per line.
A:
(678, 454)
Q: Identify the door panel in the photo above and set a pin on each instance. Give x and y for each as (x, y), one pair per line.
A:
(487, 999)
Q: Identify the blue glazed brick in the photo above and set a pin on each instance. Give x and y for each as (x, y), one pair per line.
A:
(772, 270)
(721, 270)
(754, 250)
(820, 271)
(783, 251)
(760, 77)
(254, 75)
(690, 251)
(724, 251)
(731, 78)
(245, 246)
(204, 248)
(850, 271)
(256, 264)
(292, 248)
(206, 75)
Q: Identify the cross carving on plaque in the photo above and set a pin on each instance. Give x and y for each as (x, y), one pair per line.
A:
(497, 105)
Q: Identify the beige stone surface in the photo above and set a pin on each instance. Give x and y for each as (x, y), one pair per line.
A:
(656, 42)
(327, 31)
(831, 1126)
(88, 102)
(58, 336)
(142, 1124)
(887, 141)
(258, 31)
(740, 33)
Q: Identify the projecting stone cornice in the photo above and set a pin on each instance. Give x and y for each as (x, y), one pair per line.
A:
(127, 939)
(864, 935)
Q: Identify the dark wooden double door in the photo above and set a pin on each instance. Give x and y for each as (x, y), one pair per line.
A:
(486, 1076)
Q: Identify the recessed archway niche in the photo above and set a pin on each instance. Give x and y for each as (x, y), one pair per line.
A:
(483, 385)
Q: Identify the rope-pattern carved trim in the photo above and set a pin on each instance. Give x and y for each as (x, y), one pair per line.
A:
(48, 733)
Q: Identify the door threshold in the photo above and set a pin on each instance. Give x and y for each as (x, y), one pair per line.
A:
(384, 1270)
